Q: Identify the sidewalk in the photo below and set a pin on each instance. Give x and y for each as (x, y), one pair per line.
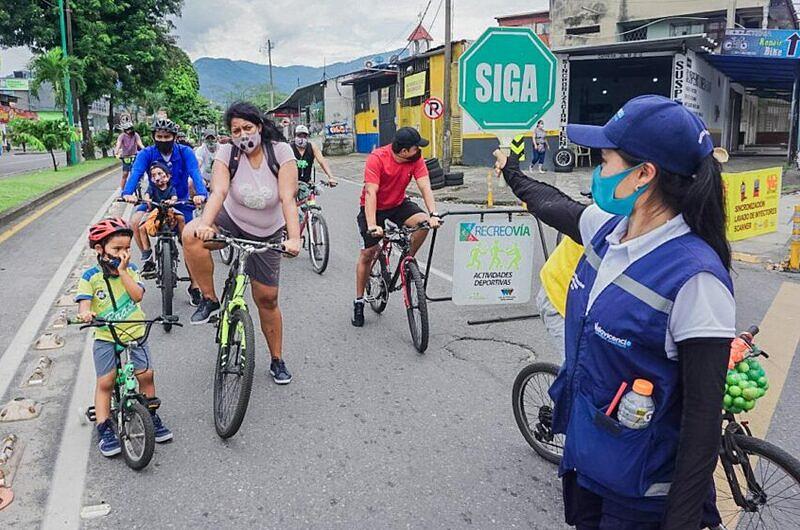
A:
(768, 249)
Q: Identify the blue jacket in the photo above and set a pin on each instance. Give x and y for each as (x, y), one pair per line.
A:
(622, 338)
(183, 164)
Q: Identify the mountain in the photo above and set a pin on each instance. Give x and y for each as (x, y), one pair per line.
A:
(222, 78)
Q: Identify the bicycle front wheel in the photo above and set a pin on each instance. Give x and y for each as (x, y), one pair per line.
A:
(533, 410)
(137, 436)
(226, 253)
(167, 270)
(318, 247)
(233, 376)
(771, 498)
(416, 306)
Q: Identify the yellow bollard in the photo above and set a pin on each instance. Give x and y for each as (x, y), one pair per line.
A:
(490, 189)
(794, 248)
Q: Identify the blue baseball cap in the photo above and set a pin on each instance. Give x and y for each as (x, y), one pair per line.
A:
(651, 128)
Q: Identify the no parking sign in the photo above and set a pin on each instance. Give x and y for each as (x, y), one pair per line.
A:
(433, 108)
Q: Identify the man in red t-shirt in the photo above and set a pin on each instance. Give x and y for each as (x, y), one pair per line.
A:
(387, 174)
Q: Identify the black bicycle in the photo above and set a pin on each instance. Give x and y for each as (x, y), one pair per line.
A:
(130, 409)
(167, 257)
(763, 480)
(411, 282)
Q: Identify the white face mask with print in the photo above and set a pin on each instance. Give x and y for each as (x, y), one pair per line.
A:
(247, 142)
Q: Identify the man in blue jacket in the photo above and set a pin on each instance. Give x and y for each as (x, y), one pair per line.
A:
(183, 164)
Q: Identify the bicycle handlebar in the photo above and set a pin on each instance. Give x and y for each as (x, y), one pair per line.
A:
(405, 230)
(248, 245)
(159, 204)
(101, 322)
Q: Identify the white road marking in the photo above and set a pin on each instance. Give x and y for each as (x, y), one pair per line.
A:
(69, 475)
(15, 353)
(436, 271)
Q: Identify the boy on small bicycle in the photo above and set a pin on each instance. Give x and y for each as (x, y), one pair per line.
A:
(112, 290)
(159, 189)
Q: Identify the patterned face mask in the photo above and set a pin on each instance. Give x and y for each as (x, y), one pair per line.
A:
(247, 142)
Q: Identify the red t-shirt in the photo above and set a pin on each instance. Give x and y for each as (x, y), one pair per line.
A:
(391, 177)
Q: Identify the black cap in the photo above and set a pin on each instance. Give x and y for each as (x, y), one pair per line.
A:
(406, 137)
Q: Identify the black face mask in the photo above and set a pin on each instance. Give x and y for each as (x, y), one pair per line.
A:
(109, 264)
(164, 148)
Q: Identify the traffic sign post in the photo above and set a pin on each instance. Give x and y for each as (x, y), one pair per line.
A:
(433, 108)
(507, 81)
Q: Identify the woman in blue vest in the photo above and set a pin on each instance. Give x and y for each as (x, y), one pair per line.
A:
(652, 299)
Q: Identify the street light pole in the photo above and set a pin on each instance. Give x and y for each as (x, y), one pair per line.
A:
(448, 59)
(73, 149)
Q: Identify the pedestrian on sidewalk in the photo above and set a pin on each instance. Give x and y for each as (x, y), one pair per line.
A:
(539, 145)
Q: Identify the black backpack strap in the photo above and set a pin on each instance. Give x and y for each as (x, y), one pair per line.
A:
(233, 160)
(272, 160)
(236, 153)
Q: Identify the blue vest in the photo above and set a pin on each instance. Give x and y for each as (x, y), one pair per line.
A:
(622, 338)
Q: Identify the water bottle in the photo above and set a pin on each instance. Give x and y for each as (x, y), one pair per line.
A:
(636, 407)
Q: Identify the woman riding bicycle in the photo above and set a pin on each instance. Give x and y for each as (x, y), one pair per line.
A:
(256, 202)
(651, 299)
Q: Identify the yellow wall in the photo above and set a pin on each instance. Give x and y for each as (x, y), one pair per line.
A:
(367, 122)
(413, 116)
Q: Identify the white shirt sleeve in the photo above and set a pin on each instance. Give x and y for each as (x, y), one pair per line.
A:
(704, 307)
(592, 219)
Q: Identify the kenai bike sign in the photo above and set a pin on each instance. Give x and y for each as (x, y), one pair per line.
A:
(493, 262)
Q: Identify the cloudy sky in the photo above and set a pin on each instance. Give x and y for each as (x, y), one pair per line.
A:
(313, 32)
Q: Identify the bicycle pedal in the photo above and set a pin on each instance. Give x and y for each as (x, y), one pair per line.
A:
(90, 414)
(153, 403)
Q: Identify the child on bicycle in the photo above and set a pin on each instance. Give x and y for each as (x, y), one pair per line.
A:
(159, 189)
(112, 290)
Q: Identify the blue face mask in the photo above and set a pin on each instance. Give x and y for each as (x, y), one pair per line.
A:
(110, 264)
(603, 189)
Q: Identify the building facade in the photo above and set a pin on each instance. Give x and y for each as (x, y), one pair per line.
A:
(611, 51)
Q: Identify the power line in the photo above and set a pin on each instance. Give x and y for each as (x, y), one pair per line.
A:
(421, 19)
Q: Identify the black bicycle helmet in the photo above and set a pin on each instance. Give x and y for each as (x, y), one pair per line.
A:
(164, 124)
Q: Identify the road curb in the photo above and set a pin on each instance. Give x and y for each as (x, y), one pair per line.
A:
(8, 216)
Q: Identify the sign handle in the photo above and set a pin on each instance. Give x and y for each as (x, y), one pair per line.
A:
(433, 137)
(490, 189)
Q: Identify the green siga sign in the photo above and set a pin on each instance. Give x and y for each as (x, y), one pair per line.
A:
(507, 79)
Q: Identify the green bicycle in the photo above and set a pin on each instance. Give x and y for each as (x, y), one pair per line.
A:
(233, 374)
(130, 410)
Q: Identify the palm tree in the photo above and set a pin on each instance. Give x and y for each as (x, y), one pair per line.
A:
(50, 67)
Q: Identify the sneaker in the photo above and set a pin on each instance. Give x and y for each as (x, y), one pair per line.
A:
(195, 297)
(358, 314)
(149, 269)
(147, 255)
(205, 311)
(107, 439)
(279, 373)
(162, 433)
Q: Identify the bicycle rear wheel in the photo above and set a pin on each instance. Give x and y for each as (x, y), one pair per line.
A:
(166, 268)
(416, 306)
(318, 247)
(771, 498)
(377, 287)
(533, 410)
(137, 436)
(233, 376)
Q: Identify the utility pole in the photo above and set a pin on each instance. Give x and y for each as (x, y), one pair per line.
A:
(271, 84)
(73, 149)
(448, 59)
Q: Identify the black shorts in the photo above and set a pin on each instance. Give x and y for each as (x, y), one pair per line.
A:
(398, 215)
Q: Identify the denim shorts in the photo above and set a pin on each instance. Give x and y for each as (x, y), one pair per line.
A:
(105, 362)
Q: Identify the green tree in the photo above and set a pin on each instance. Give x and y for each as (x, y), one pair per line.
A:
(104, 140)
(123, 46)
(47, 135)
(50, 67)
